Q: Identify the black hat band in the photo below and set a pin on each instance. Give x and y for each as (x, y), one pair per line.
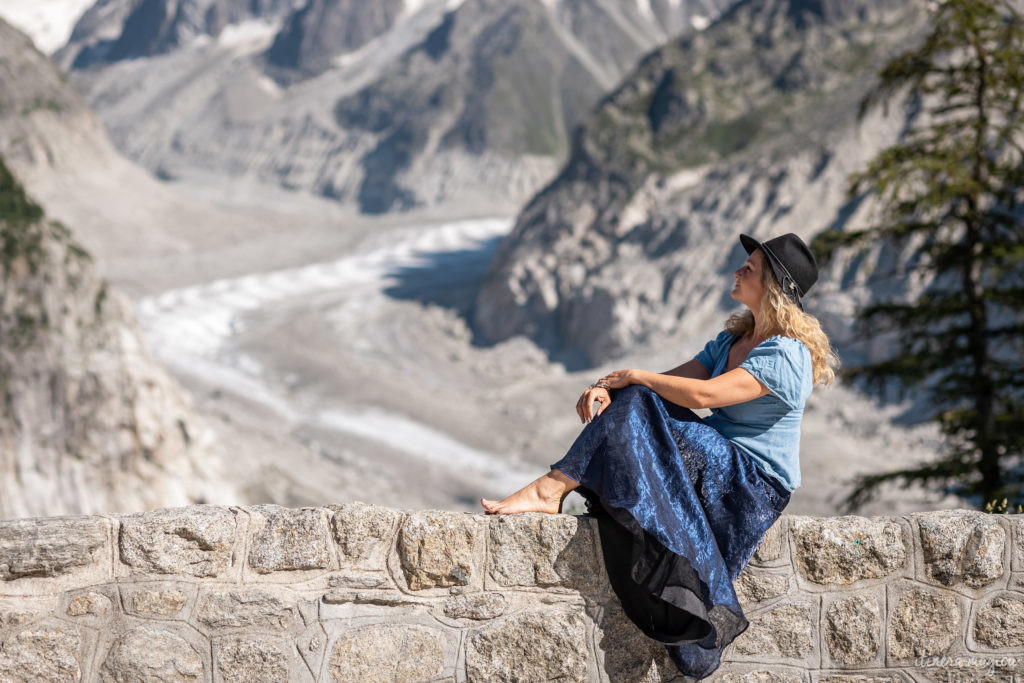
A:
(788, 282)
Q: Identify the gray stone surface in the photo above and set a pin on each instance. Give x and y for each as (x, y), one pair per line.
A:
(518, 604)
(785, 631)
(962, 547)
(195, 541)
(532, 646)
(48, 546)
(93, 603)
(853, 629)
(923, 623)
(13, 618)
(842, 550)
(629, 655)
(1017, 524)
(252, 660)
(476, 606)
(753, 585)
(543, 550)
(152, 655)
(364, 533)
(760, 677)
(862, 678)
(47, 651)
(1000, 623)
(388, 652)
(290, 540)
(438, 548)
(769, 550)
(244, 608)
(165, 603)
(358, 580)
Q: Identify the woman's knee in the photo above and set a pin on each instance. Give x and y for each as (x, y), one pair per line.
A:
(633, 392)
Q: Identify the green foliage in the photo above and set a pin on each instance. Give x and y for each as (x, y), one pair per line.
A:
(42, 103)
(953, 188)
(15, 206)
(101, 296)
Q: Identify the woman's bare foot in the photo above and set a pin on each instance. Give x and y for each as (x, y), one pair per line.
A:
(544, 494)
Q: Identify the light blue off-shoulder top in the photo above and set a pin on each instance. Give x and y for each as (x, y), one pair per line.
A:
(767, 428)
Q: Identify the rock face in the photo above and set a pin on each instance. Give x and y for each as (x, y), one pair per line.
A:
(968, 550)
(47, 651)
(240, 660)
(925, 624)
(748, 126)
(198, 539)
(439, 549)
(532, 647)
(852, 628)
(290, 539)
(322, 29)
(550, 614)
(848, 549)
(115, 30)
(90, 422)
(408, 653)
(149, 654)
(48, 547)
(416, 103)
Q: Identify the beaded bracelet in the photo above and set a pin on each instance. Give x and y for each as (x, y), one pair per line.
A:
(602, 385)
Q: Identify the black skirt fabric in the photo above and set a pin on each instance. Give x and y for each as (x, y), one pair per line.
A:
(681, 511)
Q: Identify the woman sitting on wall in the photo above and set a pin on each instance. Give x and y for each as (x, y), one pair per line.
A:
(683, 502)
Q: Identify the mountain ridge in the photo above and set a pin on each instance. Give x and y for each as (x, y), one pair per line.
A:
(714, 134)
(491, 91)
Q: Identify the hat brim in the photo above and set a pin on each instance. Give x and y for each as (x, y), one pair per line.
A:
(752, 245)
(749, 243)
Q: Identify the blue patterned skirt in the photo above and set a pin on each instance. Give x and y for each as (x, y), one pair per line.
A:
(681, 510)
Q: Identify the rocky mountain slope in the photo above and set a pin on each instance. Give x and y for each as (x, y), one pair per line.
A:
(88, 422)
(113, 30)
(384, 106)
(746, 127)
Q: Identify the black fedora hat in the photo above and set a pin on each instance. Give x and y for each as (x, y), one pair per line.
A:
(791, 261)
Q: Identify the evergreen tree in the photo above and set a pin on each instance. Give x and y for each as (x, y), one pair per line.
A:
(952, 192)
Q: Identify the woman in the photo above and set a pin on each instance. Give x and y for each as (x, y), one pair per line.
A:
(682, 502)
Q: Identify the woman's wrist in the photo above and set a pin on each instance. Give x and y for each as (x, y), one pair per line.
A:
(639, 377)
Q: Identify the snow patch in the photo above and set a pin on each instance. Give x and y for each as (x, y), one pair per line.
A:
(48, 22)
(268, 85)
(699, 23)
(411, 7)
(249, 33)
(644, 7)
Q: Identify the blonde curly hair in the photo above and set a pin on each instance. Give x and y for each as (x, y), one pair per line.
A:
(780, 316)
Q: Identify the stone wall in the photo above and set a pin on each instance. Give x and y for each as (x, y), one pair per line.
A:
(359, 592)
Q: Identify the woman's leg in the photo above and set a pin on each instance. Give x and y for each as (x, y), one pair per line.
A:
(543, 494)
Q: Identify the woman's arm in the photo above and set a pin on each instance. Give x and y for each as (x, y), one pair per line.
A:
(693, 369)
(730, 388)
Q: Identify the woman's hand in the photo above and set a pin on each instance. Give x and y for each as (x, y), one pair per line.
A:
(620, 378)
(585, 406)
(602, 395)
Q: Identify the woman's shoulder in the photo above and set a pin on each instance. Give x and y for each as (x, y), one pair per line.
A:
(784, 365)
(790, 347)
(781, 341)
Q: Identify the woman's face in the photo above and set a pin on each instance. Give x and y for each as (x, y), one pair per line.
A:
(748, 288)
